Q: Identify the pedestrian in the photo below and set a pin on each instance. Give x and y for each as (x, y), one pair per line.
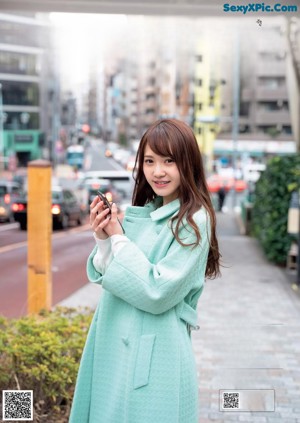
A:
(221, 197)
(138, 364)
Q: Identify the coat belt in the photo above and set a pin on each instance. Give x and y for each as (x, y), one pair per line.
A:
(189, 315)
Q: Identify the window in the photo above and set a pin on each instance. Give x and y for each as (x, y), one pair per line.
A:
(16, 120)
(56, 196)
(18, 63)
(244, 129)
(149, 111)
(151, 81)
(150, 95)
(20, 93)
(245, 107)
(287, 129)
(199, 58)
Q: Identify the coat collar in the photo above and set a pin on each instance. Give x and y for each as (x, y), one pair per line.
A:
(155, 209)
(165, 211)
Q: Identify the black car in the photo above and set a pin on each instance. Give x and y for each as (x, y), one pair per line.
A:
(65, 208)
(105, 187)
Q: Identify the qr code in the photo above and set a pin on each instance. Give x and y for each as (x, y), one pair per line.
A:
(230, 400)
(17, 405)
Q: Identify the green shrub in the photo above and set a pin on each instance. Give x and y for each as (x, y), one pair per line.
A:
(270, 209)
(42, 353)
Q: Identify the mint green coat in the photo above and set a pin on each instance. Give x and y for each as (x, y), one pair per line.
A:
(138, 364)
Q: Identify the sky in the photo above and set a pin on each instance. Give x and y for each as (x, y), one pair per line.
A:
(79, 36)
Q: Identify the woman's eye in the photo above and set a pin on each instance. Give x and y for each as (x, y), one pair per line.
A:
(148, 161)
(170, 161)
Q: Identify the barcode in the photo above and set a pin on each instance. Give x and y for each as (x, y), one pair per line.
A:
(17, 405)
(230, 400)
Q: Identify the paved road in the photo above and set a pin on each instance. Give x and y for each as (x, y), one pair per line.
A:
(69, 253)
(249, 335)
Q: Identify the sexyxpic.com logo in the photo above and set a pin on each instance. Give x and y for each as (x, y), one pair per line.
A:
(259, 7)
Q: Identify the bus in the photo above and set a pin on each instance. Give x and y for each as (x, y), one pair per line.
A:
(75, 156)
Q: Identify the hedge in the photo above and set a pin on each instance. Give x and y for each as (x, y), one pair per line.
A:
(42, 353)
(271, 203)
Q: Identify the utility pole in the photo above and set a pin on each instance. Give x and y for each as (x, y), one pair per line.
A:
(236, 106)
(293, 75)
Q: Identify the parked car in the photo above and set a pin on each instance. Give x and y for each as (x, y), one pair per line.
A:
(215, 182)
(9, 192)
(65, 208)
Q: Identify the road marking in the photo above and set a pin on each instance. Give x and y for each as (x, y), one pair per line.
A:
(8, 226)
(17, 245)
(11, 247)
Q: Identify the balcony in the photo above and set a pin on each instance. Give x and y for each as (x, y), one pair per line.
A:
(266, 94)
(271, 69)
(275, 117)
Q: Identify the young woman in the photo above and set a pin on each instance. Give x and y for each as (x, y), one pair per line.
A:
(138, 364)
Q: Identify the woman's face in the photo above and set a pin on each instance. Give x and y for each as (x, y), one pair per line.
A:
(162, 175)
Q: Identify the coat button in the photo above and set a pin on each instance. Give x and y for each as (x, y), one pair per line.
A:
(125, 340)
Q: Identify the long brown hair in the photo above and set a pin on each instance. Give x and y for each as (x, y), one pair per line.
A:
(175, 139)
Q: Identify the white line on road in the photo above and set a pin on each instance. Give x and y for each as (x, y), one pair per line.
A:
(8, 226)
(17, 245)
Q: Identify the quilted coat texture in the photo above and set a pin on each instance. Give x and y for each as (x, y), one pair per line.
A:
(138, 364)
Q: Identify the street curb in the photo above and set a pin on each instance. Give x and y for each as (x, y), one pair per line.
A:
(87, 296)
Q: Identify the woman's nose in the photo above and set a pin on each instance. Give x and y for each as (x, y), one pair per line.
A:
(159, 170)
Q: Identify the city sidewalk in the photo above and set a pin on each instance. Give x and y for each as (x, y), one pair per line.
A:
(249, 337)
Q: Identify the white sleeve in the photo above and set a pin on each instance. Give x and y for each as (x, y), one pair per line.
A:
(117, 243)
(104, 254)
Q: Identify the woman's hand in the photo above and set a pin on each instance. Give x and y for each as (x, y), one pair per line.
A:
(98, 216)
(104, 223)
(112, 226)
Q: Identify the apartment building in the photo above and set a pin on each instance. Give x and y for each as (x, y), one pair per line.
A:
(29, 89)
(264, 114)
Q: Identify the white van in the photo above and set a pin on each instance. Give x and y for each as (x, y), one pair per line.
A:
(121, 180)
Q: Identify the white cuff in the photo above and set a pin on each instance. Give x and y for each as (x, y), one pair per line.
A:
(117, 243)
(103, 256)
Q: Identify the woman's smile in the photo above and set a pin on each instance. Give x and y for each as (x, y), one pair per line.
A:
(161, 184)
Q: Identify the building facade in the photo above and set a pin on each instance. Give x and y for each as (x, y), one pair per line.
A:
(264, 124)
(28, 87)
